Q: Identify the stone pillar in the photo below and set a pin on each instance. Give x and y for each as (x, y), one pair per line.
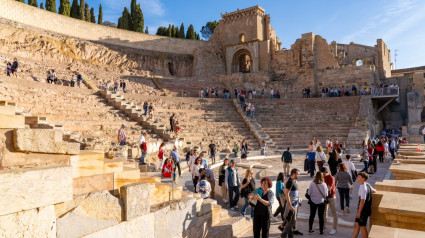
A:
(414, 106)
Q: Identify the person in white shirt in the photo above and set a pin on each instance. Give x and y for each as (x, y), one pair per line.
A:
(271, 93)
(204, 187)
(320, 157)
(350, 166)
(365, 205)
(423, 132)
(192, 158)
(195, 172)
(393, 147)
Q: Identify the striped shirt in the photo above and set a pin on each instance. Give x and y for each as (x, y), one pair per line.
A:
(121, 135)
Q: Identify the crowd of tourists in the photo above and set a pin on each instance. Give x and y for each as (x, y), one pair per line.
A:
(378, 90)
(117, 86)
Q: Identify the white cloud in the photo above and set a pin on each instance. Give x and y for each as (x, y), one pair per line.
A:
(406, 23)
(153, 7)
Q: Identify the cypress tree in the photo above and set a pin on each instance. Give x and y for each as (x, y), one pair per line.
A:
(124, 20)
(87, 16)
(169, 33)
(51, 5)
(64, 7)
(75, 9)
(162, 31)
(176, 32)
(33, 3)
(181, 32)
(137, 22)
(133, 7)
(173, 30)
(100, 17)
(81, 10)
(23, 1)
(41, 5)
(147, 30)
(198, 37)
(92, 16)
(190, 33)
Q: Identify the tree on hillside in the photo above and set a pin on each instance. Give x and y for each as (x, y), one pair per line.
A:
(100, 17)
(169, 30)
(81, 10)
(197, 37)
(125, 20)
(87, 16)
(176, 32)
(65, 8)
(181, 31)
(21, 1)
(33, 3)
(190, 33)
(137, 21)
(41, 5)
(133, 6)
(208, 29)
(173, 30)
(162, 31)
(92, 16)
(51, 5)
(147, 30)
(75, 9)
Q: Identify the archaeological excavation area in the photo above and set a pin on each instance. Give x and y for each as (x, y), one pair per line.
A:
(63, 172)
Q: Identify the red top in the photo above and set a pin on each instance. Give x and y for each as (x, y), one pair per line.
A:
(330, 182)
(380, 148)
(161, 154)
(336, 145)
(144, 147)
(370, 151)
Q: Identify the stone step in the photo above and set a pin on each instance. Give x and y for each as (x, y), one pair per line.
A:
(126, 176)
(87, 163)
(93, 183)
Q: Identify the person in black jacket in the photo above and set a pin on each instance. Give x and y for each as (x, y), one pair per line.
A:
(247, 187)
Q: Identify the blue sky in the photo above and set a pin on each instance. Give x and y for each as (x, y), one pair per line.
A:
(401, 23)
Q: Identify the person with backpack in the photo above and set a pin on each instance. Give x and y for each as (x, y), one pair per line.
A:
(364, 209)
(317, 192)
(292, 202)
(247, 187)
(143, 148)
(287, 161)
(14, 68)
(279, 194)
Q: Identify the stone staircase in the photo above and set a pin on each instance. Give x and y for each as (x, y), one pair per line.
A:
(175, 85)
(294, 122)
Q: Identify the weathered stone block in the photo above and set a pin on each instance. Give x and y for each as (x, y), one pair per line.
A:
(136, 200)
(87, 163)
(96, 212)
(43, 141)
(11, 121)
(40, 222)
(24, 189)
(12, 159)
(94, 183)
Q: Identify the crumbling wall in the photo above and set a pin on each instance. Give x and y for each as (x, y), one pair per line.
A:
(209, 60)
(346, 76)
(323, 58)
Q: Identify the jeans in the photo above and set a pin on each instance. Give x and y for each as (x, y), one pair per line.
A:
(236, 154)
(392, 151)
(146, 112)
(321, 210)
(312, 167)
(142, 159)
(178, 167)
(381, 156)
(233, 200)
(245, 206)
(252, 114)
(122, 143)
(195, 182)
(72, 83)
(344, 193)
(366, 165)
(279, 210)
(290, 224)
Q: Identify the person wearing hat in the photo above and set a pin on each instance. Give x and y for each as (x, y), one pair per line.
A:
(233, 184)
(121, 135)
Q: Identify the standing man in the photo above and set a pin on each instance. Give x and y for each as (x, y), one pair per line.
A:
(212, 151)
(287, 161)
(209, 174)
(292, 203)
(14, 67)
(175, 157)
(365, 205)
(393, 147)
(423, 132)
(172, 122)
(271, 93)
(143, 148)
(330, 182)
(121, 135)
(232, 182)
(311, 156)
(192, 158)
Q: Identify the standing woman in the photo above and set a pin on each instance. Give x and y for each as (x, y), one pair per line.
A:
(381, 149)
(195, 171)
(370, 150)
(344, 183)
(279, 194)
(248, 186)
(221, 177)
(320, 157)
(244, 148)
(333, 162)
(161, 154)
(263, 209)
(318, 192)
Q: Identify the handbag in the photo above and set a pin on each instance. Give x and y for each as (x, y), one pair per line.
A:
(323, 196)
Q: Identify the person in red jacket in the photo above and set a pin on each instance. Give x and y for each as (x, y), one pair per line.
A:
(167, 169)
(143, 148)
(381, 149)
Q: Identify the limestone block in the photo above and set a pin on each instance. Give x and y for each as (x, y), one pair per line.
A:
(11, 121)
(136, 200)
(96, 212)
(94, 183)
(140, 227)
(12, 159)
(173, 217)
(35, 187)
(8, 110)
(160, 192)
(87, 163)
(39, 222)
(43, 141)
(127, 176)
(112, 166)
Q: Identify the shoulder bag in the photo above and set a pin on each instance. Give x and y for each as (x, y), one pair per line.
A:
(321, 193)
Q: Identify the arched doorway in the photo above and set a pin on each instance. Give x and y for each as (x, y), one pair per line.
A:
(242, 62)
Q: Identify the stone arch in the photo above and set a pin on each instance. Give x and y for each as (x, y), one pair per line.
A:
(359, 62)
(242, 61)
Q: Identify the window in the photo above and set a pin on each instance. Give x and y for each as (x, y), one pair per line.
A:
(242, 37)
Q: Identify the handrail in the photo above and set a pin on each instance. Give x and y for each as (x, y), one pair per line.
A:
(390, 91)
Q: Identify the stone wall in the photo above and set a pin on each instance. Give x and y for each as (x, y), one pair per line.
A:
(46, 20)
(346, 76)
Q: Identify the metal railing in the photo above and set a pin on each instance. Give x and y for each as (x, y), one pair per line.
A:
(390, 91)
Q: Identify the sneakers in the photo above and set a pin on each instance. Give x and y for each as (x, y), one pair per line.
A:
(332, 232)
(236, 207)
(225, 200)
(242, 214)
(310, 232)
(321, 233)
(297, 232)
(275, 219)
(342, 211)
(348, 210)
(232, 208)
